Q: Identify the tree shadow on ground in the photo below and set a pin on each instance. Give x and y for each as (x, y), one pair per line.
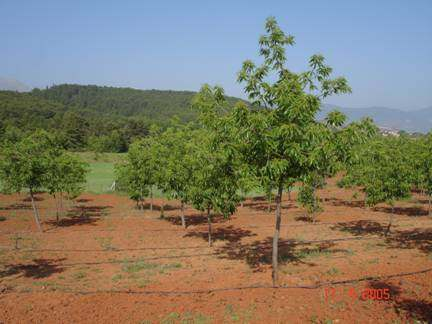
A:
(17, 206)
(306, 219)
(230, 233)
(264, 207)
(74, 220)
(88, 211)
(344, 203)
(258, 254)
(41, 268)
(360, 227)
(418, 238)
(415, 309)
(81, 215)
(407, 211)
(195, 219)
(420, 310)
(35, 197)
(83, 200)
(166, 207)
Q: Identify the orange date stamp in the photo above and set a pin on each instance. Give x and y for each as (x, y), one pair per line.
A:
(379, 294)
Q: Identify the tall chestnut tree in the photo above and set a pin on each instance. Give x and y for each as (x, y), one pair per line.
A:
(280, 137)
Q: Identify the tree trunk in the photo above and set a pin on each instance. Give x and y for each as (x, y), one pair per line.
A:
(430, 203)
(151, 199)
(289, 194)
(387, 232)
(241, 204)
(162, 212)
(36, 213)
(315, 204)
(61, 204)
(210, 242)
(275, 254)
(183, 221)
(57, 209)
(365, 202)
(269, 203)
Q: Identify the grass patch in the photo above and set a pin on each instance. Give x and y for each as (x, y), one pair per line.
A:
(333, 271)
(188, 317)
(105, 243)
(79, 275)
(313, 253)
(100, 177)
(140, 265)
(117, 277)
(241, 315)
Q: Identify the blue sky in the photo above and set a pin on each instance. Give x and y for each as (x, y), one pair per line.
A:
(384, 48)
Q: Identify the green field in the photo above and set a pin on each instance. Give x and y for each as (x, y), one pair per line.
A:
(100, 177)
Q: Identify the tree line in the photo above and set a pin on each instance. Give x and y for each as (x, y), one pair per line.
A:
(95, 118)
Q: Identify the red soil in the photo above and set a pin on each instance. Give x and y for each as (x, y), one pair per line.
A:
(108, 263)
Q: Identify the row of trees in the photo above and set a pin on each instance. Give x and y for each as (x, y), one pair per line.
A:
(37, 162)
(388, 169)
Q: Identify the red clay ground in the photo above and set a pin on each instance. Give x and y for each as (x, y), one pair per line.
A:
(110, 263)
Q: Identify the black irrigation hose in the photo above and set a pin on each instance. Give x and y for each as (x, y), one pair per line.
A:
(281, 243)
(215, 290)
(51, 230)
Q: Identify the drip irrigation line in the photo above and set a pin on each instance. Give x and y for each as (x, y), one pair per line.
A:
(54, 230)
(281, 243)
(239, 288)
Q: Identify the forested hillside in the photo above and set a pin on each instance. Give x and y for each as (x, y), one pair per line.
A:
(93, 117)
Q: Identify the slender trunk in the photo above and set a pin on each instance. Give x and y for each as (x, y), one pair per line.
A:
(387, 232)
(61, 204)
(275, 254)
(430, 203)
(365, 201)
(315, 204)
(269, 203)
(182, 215)
(162, 212)
(36, 213)
(57, 209)
(289, 194)
(210, 242)
(151, 199)
(241, 204)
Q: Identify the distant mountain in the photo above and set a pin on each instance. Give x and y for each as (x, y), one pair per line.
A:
(411, 121)
(13, 85)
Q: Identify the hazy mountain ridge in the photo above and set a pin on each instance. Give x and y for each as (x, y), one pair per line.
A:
(163, 104)
(411, 121)
(9, 84)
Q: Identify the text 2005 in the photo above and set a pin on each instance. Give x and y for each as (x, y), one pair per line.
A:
(376, 294)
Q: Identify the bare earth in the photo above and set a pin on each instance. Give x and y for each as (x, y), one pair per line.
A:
(108, 263)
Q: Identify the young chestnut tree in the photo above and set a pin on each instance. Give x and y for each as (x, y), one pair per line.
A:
(385, 172)
(215, 183)
(26, 165)
(176, 152)
(278, 137)
(66, 175)
(138, 174)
